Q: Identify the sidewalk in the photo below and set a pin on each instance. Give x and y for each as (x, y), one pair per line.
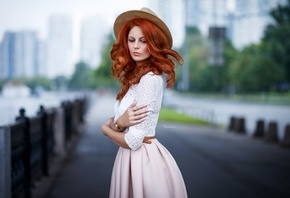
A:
(77, 174)
(87, 171)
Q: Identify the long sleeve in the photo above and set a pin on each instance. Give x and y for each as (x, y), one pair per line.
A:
(149, 91)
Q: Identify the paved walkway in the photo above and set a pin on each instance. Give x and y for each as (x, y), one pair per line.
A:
(214, 163)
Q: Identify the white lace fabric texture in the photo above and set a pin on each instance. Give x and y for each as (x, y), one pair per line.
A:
(148, 91)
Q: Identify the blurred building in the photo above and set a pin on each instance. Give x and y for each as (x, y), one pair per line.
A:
(245, 23)
(93, 38)
(206, 13)
(3, 70)
(249, 20)
(18, 54)
(41, 69)
(28, 48)
(59, 46)
(172, 12)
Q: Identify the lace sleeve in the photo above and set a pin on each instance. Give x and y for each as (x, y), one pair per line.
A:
(148, 91)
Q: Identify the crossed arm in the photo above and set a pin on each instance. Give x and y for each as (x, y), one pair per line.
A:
(133, 115)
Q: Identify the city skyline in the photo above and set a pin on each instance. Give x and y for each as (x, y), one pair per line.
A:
(34, 14)
(74, 36)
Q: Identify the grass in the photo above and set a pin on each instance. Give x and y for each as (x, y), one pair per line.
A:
(171, 115)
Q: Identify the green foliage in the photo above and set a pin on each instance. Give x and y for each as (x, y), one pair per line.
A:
(276, 38)
(2, 83)
(253, 70)
(195, 49)
(40, 81)
(170, 115)
(32, 83)
(103, 74)
(202, 76)
(60, 83)
(82, 77)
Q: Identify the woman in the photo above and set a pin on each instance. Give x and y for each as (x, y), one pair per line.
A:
(144, 63)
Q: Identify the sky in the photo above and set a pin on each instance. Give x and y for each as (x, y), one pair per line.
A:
(18, 15)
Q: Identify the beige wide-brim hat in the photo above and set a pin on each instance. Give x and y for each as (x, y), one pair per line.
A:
(142, 13)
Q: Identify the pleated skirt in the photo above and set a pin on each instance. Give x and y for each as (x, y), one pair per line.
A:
(149, 172)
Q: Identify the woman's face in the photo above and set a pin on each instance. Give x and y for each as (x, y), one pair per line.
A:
(137, 45)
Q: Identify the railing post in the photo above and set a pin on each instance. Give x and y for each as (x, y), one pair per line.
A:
(260, 129)
(240, 125)
(27, 151)
(271, 135)
(286, 138)
(231, 126)
(5, 162)
(64, 105)
(45, 163)
(59, 131)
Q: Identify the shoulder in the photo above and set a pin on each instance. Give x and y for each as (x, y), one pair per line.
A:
(150, 77)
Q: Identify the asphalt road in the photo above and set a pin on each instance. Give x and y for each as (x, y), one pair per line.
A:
(214, 162)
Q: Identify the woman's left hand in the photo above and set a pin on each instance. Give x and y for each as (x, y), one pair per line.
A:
(133, 115)
(107, 124)
(109, 121)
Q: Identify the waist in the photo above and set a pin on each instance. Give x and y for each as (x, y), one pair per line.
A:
(148, 139)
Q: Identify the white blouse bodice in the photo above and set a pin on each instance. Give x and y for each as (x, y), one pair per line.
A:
(148, 91)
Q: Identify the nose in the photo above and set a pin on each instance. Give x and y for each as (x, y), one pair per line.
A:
(136, 46)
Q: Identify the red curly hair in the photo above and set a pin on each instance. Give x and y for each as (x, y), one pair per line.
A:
(162, 58)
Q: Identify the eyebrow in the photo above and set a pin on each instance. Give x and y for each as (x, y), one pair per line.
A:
(135, 38)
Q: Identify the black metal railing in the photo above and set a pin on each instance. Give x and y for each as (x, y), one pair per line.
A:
(32, 142)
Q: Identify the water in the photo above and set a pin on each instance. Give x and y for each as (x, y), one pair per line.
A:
(9, 106)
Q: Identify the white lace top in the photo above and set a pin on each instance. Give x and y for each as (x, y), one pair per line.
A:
(148, 91)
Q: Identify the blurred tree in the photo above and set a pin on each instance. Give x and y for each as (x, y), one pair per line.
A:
(82, 78)
(60, 83)
(230, 54)
(2, 83)
(33, 82)
(202, 76)
(36, 82)
(103, 74)
(276, 38)
(197, 60)
(252, 70)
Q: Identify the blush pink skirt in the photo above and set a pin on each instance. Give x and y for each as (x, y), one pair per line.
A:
(148, 172)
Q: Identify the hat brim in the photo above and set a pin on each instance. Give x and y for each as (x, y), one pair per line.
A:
(133, 14)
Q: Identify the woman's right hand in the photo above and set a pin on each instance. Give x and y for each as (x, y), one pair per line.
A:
(133, 115)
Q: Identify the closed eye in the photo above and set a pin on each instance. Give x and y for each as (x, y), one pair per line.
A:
(131, 40)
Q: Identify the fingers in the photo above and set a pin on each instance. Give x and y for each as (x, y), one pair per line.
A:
(140, 108)
(141, 116)
(138, 121)
(133, 104)
(136, 113)
(144, 111)
(109, 121)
